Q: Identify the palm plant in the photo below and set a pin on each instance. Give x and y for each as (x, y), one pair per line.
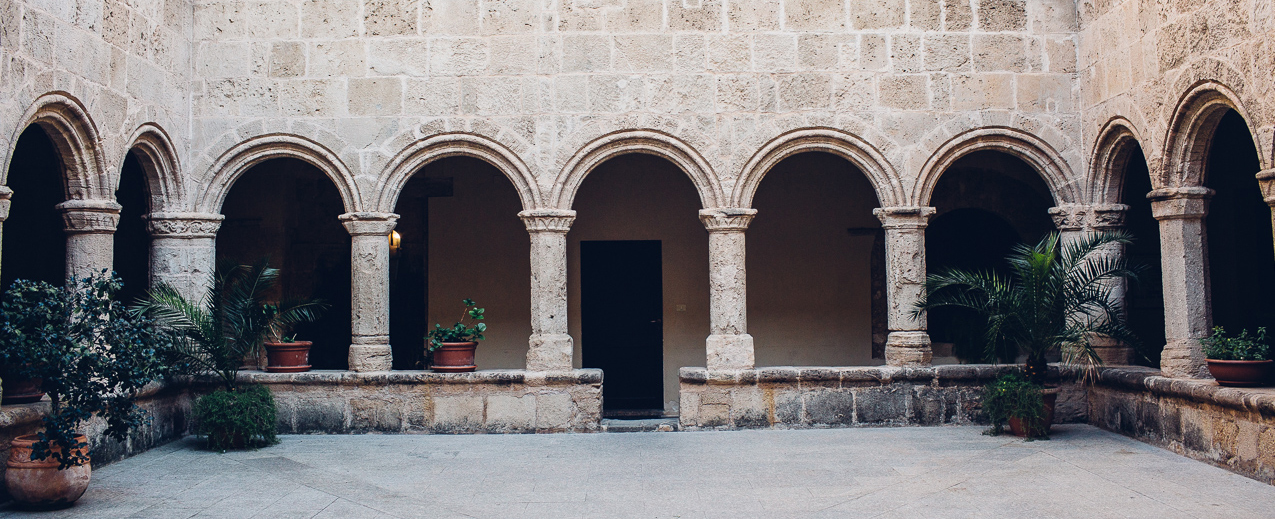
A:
(1058, 295)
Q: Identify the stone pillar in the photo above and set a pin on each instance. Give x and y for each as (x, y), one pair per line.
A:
(1109, 218)
(1266, 179)
(5, 195)
(909, 341)
(184, 251)
(729, 346)
(370, 289)
(550, 347)
(1070, 220)
(90, 235)
(1184, 261)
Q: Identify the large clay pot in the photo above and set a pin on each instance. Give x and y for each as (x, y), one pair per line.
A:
(455, 357)
(39, 484)
(21, 390)
(1241, 373)
(1016, 425)
(288, 357)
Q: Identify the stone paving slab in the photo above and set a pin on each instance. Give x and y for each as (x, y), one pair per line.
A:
(929, 472)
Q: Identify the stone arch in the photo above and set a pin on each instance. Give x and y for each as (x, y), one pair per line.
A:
(1190, 131)
(882, 176)
(407, 162)
(1110, 155)
(68, 125)
(154, 149)
(238, 159)
(1035, 152)
(651, 142)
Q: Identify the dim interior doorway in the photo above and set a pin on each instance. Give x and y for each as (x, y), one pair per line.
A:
(622, 323)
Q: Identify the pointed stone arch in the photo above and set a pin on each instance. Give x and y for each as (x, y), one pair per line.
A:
(240, 158)
(1190, 131)
(1034, 151)
(78, 144)
(154, 150)
(407, 162)
(650, 142)
(1111, 153)
(885, 181)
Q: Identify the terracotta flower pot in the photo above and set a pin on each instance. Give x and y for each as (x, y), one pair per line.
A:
(1016, 425)
(288, 357)
(1241, 373)
(455, 357)
(39, 484)
(21, 390)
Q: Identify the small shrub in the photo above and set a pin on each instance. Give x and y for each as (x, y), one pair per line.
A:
(1220, 347)
(459, 332)
(237, 419)
(1012, 396)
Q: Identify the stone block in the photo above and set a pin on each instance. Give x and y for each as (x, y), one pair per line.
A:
(688, 408)
(756, 15)
(807, 91)
(690, 53)
(882, 405)
(610, 93)
(729, 53)
(636, 16)
(999, 53)
(318, 412)
(643, 53)
(1061, 55)
(714, 415)
(342, 58)
(904, 91)
(327, 18)
(1045, 92)
(434, 96)
(287, 59)
(389, 18)
(449, 17)
(510, 17)
(749, 407)
(458, 413)
(1002, 15)
(905, 53)
(398, 57)
(511, 413)
(571, 93)
(947, 52)
(775, 52)
(813, 15)
(586, 53)
(925, 15)
(876, 14)
(818, 51)
(699, 15)
(828, 407)
(514, 55)
(491, 95)
(854, 92)
(933, 406)
(681, 93)
(375, 96)
(874, 52)
(983, 91)
(714, 396)
(376, 414)
(457, 56)
(553, 410)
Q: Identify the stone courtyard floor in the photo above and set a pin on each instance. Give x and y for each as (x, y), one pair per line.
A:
(885, 472)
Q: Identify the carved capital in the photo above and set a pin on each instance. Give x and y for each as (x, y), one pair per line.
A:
(548, 220)
(904, 217)
(727, 219)
(183, 225)
(90, 216)
(1108, 216)
(5, 194)
(1180, 203)
(1069, 217)
(1266, 179)
(369, 224)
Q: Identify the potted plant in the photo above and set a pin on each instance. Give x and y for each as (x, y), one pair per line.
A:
(1240, 361)
(214, 335)
(1056, 299)
(1014, 400)
(284, 353)
(92, 358)
(453, 348)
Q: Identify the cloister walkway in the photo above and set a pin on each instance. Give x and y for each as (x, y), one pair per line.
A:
(885, 472)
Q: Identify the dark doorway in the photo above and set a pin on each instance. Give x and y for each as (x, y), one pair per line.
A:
(1144, 300)
(34, 240)
(132, 243)
(622, 322)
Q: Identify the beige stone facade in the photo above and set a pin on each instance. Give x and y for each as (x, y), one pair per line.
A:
(371, 91)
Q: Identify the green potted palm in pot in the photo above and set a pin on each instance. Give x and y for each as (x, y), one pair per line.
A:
(92, 358)
(453, 347)
(1056, 298)
(284, 353)
(1240, 361)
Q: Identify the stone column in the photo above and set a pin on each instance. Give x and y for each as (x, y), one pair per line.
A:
(729, 346)
(1184, 261)
(1070, 220)
(1109, 218)
(5, 195)
(90, 235)
(909, 341)
(550, 347)
(184, 251)
(370, 289)
(1266, 179)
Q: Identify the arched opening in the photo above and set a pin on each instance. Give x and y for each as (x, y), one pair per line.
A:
(34, 241)
(986, 202)
(131, 258)
(816, 256)
(1238, 228)
(1144, 299)
(459, 236)
(637, 264)
(286, 210)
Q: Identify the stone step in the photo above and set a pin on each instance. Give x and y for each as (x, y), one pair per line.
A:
(666, 424)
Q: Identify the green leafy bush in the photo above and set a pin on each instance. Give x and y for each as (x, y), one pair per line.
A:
(1242, 347)
(237, 418)
(1012, 396)
(460, 332)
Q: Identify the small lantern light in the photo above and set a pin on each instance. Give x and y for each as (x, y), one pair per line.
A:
(395, 240)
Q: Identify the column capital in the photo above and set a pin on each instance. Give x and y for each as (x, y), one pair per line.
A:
(904, 217)
(1106, 217)
(727, 219)
(1266, 179)
(183, 225)
(90, 216)
(548, 220)
(5, 195)
(1177, 203)
(1069, 217)
(369, 224)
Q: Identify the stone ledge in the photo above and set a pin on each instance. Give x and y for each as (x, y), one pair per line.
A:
(1256, 400)
(847, 376)
(494, 376)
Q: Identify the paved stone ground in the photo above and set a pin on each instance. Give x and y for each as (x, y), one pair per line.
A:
(886, 472)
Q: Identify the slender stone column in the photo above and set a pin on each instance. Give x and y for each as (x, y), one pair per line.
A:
(1184, 261)
(550, 347)
(5, 195)
(1266, 179)
(1108, 218)
(370, 289)
(90, 235)
(729, 346)
(909, 341)
(184, 251)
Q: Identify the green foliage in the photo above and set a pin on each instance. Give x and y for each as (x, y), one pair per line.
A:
(91, 356)
(460, 332)
(1242, 347)
(237, 418)
(230, 323)
(1012, 396)
(1056, 297)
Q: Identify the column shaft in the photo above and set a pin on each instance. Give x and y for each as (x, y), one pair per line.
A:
(1184, 262)
(90, 235)
(909, 341)
(369, 289)
(550, 346)
(729, 346)
(1266, 179)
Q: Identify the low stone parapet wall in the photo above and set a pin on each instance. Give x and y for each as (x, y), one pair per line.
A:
(489, 401)
(800, 397)
(1233, 428)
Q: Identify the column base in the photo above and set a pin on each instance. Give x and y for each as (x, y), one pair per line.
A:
(1183, 358)
(1111, 351)
(371, 357)
(908, 349)
(550, 352)
(730, 352)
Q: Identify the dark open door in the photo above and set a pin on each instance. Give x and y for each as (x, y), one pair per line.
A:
(622, 321)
